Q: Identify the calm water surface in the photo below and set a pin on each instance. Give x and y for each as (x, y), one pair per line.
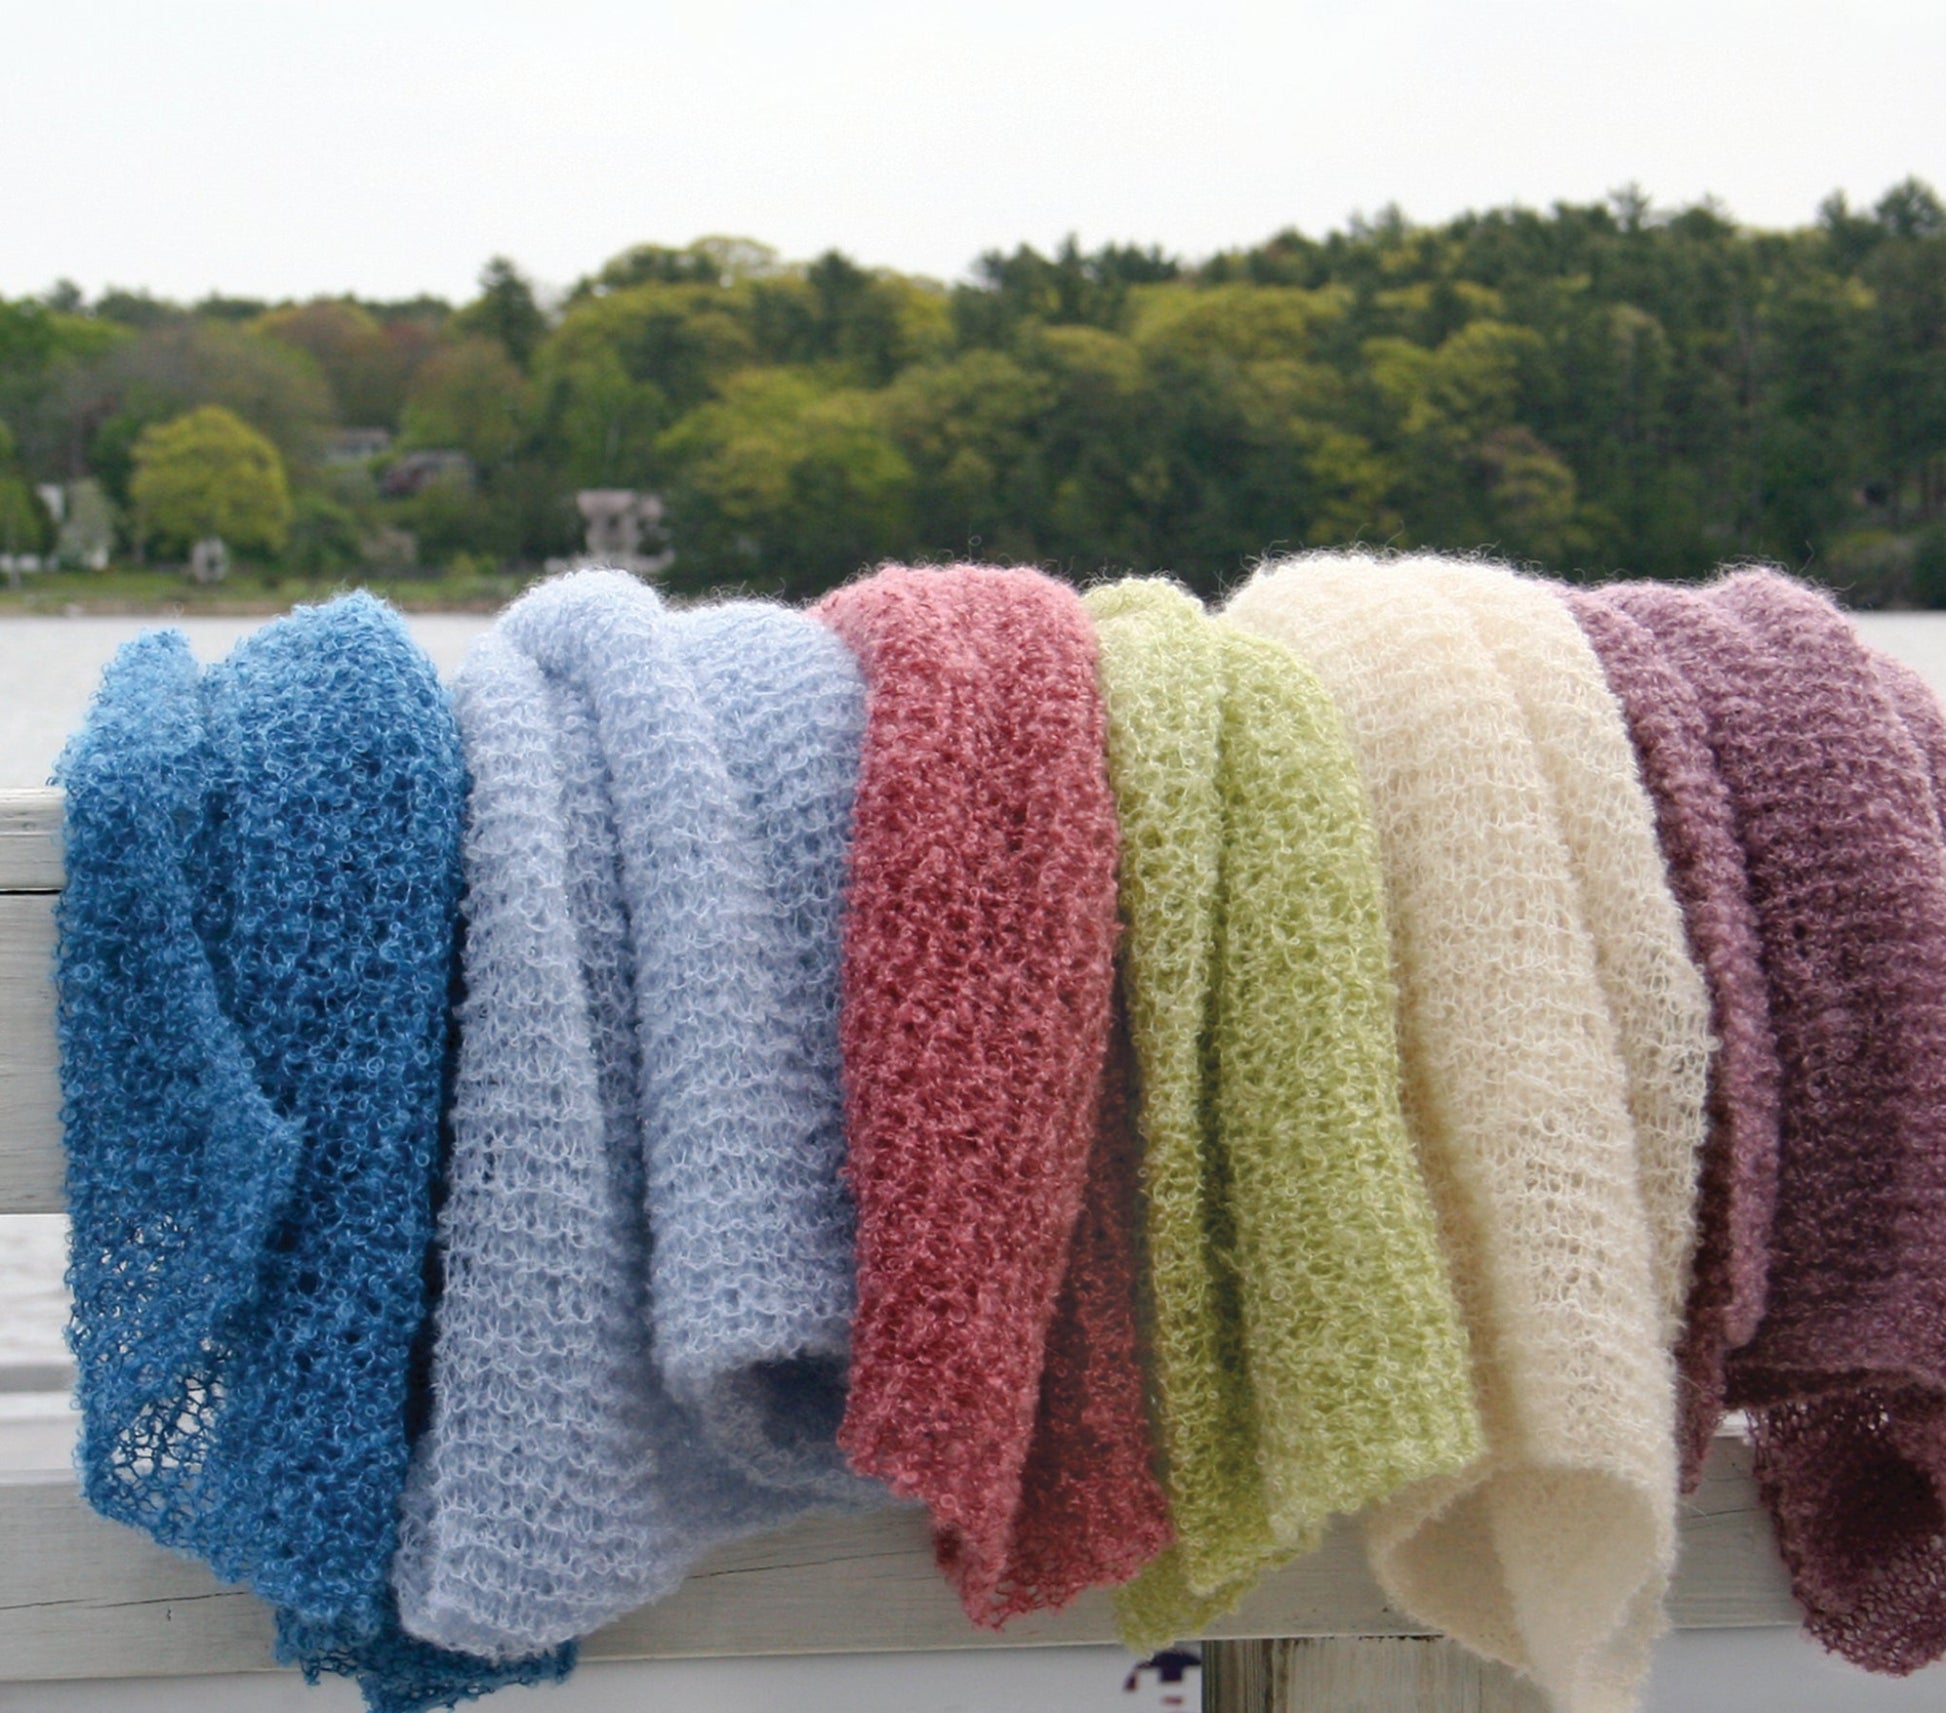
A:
(48, 669)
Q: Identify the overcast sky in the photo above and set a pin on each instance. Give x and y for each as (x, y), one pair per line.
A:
(288, 147)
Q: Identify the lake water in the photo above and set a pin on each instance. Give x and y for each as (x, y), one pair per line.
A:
(48, 669)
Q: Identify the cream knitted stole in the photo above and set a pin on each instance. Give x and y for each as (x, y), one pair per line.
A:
(1655, 991)
(1523, 1078)
(1308, 1354)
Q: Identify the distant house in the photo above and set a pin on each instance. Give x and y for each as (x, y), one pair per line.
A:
(84, 523)
(414, 471)
(355, 445)
(622, 527)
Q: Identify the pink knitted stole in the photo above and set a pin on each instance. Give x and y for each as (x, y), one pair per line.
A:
(1846, 1376)
(1737, 1185)
(995, 1370)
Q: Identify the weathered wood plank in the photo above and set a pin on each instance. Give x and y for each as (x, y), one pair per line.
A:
(43, 1377)
(30, 840)
(30, 1095)
(92, 1599)
(1395, 1674)
(88, 1598)
(1730, 1576)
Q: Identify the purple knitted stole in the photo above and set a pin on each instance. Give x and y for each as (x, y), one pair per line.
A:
(1846, 1376)
(1737, 1184)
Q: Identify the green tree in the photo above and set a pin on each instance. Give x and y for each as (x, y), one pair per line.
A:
(368, 364)
(210, 473)
(23, 522)
(603, 422)
(177, 366)
(324, 538)
(865, 326)
(43, 351)
(685, 341)
(1260, 442)
(468, 395)
(785, 486)
(505, 311)
(970, 430)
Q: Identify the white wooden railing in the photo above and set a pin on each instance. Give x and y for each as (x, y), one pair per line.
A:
(80, 1597)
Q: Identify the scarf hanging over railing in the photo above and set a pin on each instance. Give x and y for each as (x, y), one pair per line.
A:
(262, 865)
(642, 1344)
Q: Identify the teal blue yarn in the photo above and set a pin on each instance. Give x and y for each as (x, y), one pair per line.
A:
(254, 951)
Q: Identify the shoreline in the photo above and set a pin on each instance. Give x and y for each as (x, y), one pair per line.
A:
(268, 607)
(129, 592)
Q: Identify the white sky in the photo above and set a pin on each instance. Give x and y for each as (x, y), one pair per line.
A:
(287, 147)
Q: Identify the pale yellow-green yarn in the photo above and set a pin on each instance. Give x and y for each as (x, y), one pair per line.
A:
(1308, 1351)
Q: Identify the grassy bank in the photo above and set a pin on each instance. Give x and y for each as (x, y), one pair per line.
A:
(139, 590)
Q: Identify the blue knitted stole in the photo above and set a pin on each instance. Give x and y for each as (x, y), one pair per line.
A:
(643, 1342)
(254, 947)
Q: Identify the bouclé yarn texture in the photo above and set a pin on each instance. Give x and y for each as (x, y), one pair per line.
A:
(978, 978)
(642, 1343)
(262, 867)
(1697, 827)
(1307, 1350)
(1830, 756)
(1553, 1549)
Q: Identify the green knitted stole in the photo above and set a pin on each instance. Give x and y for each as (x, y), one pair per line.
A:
(1308, 1355)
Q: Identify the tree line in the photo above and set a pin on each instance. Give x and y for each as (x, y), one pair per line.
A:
(1596, 389)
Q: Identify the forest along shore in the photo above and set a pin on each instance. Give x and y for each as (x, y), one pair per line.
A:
(1596, 386)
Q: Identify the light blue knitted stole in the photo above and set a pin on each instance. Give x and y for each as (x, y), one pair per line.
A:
(642, 1343)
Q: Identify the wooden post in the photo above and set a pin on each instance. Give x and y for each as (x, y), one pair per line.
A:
(1359, 1674)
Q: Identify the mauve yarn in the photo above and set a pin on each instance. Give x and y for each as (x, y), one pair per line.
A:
(1833, 793)
(1737, 1186)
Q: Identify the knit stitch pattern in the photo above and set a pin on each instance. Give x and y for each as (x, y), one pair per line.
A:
(262, 866)
(1308, 1353)
(1654, 990)
(1834, 796)
(1553, 1549)
(1737, 1185)
(642, 1339)
(1091, 1511)
(978, 974)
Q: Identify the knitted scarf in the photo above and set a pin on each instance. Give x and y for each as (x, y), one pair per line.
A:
(994, 1348)
(1696, 826)
(1655, 992)
(262, 865)
(1308, 1355)
(1552, 1550)
(642, 1342)
(1830, 756)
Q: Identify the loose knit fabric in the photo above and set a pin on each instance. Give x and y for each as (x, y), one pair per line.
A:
(1654, 990)
(1833, 792)
(641, 1347)
(1308, 1355)
(978, 974)
(1696, 826)
(262, 865)
(1553, 1549)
